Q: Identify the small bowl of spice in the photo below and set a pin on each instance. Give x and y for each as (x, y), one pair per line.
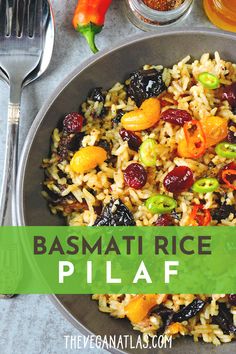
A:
(149, 15)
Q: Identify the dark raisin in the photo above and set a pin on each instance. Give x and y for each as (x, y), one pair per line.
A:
(69, 142)
(134, 141)
(97, 94)
(73, 122)
(224, 319)
(62, 149)
(118, 117)
(51, 195)
(223, 212)
(176, 116)
(75, 143)
(232, 132)
(144, 84)
(179, 179)
(164, 220)
(115, 214)
(135, 176)
(189, 311)
(166, 316)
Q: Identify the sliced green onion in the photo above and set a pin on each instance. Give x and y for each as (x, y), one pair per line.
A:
(205, 185)
(160, 204)
(226, 150)
(148, 152)
(209, 81)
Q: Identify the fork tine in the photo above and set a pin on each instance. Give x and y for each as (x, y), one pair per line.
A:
(3, 18)
(25, 17)
(9, 14)
(38, 20)
(21, 4)
(14, 20)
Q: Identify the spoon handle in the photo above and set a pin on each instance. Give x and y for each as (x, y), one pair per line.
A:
(7, 198)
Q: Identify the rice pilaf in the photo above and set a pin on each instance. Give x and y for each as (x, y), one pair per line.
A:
(81, 197)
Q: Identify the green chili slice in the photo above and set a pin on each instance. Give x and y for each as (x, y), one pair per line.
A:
(160, 204)
(148, 152)
(205, 185)
(209, 81)
(226, 150)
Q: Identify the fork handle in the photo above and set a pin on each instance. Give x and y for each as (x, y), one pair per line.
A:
(8, 205)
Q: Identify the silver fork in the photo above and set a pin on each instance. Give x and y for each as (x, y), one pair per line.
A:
(21, 43)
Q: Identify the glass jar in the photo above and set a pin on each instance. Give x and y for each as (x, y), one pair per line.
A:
(148, 19)
(222, 13)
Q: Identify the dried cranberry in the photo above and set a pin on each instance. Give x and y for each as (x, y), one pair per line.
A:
(133, 140)
(228, 93)
(179, 179)
(176, 116)
(230, 166)
(73, 122)
(232, 299)
(135, 176)
(232, 132)
(164, 220)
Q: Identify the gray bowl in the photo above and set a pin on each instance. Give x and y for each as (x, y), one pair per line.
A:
(105, 69)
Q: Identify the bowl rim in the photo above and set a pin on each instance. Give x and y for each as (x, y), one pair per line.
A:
(50, 101)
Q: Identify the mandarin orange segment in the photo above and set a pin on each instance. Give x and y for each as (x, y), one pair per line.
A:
(88, 158)
(144, 117)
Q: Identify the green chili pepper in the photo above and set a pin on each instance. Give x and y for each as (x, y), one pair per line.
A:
(226, 150)
(205, 185)
(148, 152)
(209, 81)
(160, 204)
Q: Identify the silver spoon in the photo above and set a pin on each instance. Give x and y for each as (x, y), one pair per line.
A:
(47, 53)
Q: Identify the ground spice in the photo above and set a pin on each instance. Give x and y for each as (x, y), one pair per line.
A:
(163, 5)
